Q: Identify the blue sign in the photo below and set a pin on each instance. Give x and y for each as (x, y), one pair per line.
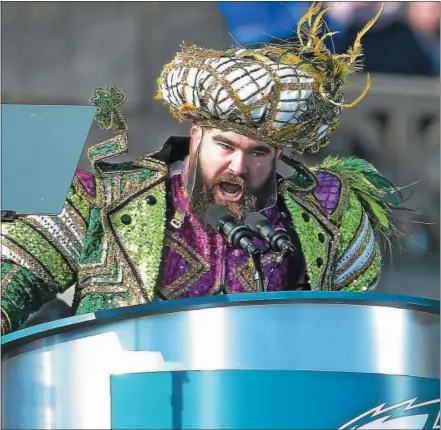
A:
(41, 148)
(233, 399)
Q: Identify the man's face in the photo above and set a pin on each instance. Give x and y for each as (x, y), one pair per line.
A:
(233, 171)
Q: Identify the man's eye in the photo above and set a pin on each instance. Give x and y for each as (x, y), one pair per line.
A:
(258, 154)
(224, 146)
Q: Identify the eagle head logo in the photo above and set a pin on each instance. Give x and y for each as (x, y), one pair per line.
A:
(405, 415)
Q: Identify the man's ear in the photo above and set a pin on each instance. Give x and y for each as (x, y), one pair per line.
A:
(195, 137)
(195, 131)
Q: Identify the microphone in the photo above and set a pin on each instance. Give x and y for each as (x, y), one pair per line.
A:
(277, 238)
(238, 235)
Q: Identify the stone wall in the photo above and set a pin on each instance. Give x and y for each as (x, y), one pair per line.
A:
(58, 52)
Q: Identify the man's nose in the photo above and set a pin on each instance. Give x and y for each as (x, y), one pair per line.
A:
(238, 164)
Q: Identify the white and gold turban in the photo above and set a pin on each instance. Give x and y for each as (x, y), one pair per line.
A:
(289, 95)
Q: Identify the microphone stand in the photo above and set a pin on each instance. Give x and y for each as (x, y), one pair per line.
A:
(258, 273)
(277, 239)
(280, 258)
(240, 236)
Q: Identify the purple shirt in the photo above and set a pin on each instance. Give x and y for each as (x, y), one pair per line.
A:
(197, 262)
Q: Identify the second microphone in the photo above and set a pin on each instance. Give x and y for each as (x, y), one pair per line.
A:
(277, 238)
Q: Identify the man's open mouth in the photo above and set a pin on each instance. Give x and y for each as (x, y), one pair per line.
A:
(229, 187)
(231, 191)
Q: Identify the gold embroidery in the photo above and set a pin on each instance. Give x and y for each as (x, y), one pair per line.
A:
(243, 122)
(32, 222)
(111, 248)
(152, 164)
(103, 267)
(125, 273)
(7, 320)
(198, 266)
(119, 140)
(353, 276)
(362, 247)
(68, 233)
(27, 260)
(100, 267)
(343, 201)
(245, 272)
(81, 191)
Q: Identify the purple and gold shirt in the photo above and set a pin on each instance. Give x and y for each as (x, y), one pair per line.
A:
(197, 262)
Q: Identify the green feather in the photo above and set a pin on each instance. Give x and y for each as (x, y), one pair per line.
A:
(377, 194)
(378, 211)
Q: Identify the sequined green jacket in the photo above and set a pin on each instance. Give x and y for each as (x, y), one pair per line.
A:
(89, 244)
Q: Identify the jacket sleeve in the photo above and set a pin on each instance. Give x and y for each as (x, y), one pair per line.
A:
(39, 254)
(368, 216)
(358, 263)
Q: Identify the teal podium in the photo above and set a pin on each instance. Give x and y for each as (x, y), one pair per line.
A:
(286, 360)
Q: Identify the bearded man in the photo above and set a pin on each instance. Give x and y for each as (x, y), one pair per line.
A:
(135, 232)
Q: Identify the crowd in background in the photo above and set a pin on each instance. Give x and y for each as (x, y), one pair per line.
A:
(404, 41)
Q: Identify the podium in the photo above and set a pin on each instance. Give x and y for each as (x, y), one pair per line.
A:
(279, 360)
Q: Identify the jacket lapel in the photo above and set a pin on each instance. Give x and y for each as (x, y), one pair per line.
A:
(319, 237)
(135, 215)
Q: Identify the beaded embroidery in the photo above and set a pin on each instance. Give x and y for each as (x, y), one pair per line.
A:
(113, 272)
(288, 95)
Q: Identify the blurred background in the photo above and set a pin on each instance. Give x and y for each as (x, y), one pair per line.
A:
(58, 52)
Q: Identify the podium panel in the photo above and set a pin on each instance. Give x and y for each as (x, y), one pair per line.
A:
(265, 360)
(272, 399)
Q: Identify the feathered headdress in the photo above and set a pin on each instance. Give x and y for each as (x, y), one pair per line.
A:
(287, 95)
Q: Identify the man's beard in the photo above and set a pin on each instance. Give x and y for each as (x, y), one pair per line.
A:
(204, 195)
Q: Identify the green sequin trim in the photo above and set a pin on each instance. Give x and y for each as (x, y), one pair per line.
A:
(6, 268)
(118, 167)
(146, 175)
(112, 274)
(313, 249)
(24, 295)
(6, 323)
(143, 238)
(100, 301)
(124, 182)
(41, 249)
(106, 182)
(363, 282)
(105, 277)
(108, 103)
(94, 152)
(129, 179)
(93, 249)
(79, 204)
(350, 223)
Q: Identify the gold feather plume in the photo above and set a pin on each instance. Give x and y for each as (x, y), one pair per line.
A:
(309, 52)
(356, 51)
